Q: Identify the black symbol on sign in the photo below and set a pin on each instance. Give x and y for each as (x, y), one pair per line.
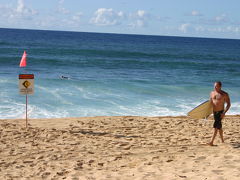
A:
(26, 84)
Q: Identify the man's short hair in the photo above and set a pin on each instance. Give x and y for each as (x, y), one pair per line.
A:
(219, 83)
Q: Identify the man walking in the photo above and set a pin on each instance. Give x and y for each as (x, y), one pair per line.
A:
(218, 98)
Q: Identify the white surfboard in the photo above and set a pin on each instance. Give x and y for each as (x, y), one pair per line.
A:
(202, 111)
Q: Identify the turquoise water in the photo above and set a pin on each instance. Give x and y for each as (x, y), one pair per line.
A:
(112, 74)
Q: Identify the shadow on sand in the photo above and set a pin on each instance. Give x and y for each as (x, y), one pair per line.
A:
(236, 145)
(89, 132)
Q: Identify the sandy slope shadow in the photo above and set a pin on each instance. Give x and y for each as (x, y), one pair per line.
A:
(236, 145)
(89, 132)
(123, 136)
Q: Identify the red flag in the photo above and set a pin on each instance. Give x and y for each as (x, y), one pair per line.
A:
(23, 62)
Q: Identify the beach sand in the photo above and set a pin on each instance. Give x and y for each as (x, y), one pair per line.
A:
(101, 148)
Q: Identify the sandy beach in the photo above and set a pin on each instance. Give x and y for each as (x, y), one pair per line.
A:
(159, 148)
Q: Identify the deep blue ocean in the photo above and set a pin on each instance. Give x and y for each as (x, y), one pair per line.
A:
(113, 74)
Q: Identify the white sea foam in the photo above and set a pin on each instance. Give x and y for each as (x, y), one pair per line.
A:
(11, 109)
(17, 110)
(234, 108)
(57, 94)
(42, 112)
(50, 102)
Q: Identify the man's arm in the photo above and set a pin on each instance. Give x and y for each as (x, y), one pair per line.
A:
(227, 100)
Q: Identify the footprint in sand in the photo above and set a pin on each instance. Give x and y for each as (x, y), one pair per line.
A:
(217, 171)
(186, 171)
(228, 157)
(200, 158)
(45, 175)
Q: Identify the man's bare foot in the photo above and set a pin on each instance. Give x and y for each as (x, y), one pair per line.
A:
(210, 144)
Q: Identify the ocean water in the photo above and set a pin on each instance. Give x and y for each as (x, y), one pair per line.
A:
(113, 74)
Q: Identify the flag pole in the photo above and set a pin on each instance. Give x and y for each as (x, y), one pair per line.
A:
(23, 63)
(26, 110)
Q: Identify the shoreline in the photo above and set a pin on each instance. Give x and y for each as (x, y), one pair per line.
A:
(119, 147)
(56, 122)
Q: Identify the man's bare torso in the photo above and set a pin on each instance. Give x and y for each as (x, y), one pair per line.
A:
(218, 99)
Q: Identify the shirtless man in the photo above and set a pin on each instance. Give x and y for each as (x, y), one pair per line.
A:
(218, 99)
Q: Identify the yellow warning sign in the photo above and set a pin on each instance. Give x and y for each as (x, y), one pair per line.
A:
(26, 84)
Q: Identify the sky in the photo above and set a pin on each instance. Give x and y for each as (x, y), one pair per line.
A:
(188, 18)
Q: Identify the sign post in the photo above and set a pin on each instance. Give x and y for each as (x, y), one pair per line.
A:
(26, 86)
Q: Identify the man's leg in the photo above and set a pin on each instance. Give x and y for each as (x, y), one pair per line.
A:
(221, 134)
(214, 135)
